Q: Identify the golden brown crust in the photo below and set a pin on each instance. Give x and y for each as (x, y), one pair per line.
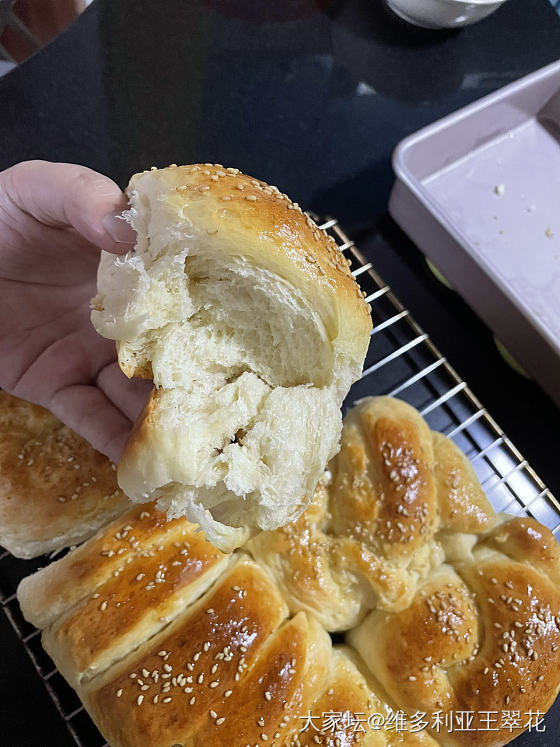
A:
(320, 572)
(526, 540)
(50, 592)
(483, 639)
(212, 656)
(351, 710)
(383, 493)
(224, 201)
(137, 600)
(55, 489)
(280, 687)
(463, 506)
(371, 530)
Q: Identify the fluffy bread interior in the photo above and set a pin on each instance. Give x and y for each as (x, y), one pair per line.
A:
(248, 378)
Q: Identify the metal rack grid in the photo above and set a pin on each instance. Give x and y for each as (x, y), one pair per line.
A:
(402, 362)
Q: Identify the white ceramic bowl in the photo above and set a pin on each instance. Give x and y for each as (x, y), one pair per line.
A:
(440, 14)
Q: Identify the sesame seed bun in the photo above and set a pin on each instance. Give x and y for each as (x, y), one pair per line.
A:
(55, 489)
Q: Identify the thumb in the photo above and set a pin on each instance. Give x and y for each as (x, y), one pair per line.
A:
(65, 194)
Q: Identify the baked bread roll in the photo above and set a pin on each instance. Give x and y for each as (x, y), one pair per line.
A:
(55, 490)
(380, 518)
(141, 562)
(353, 709)
(479, 637)
(247, 318)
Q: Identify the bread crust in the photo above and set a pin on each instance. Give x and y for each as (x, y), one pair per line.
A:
(55, 489)
(479, 637)
(256, 221)
(373, 529)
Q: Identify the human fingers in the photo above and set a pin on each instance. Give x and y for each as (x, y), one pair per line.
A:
(65, 194)
(89, 412)
(129, 395)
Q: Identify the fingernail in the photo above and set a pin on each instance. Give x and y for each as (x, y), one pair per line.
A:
(118, 229)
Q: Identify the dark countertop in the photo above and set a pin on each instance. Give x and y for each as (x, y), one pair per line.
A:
(310, 95)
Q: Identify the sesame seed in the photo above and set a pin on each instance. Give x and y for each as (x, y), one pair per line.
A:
(227, 693)
(145, 673)
(412, 678)
(213, 714)
(139, 699)
(210, 610)
(103, 606)
(119, 692)
(268, 695)
(252, 198)
(162, 653)
(215, 683)
(166, 700)
(192, 700)
(220, 721)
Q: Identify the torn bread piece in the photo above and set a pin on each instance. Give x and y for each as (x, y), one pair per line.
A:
(247, 317)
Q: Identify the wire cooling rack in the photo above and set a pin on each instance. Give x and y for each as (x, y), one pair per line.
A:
(401, 362)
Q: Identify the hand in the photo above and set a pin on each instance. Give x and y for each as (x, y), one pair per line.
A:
(54, 218)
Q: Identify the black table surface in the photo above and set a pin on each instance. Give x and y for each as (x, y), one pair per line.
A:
(310, 95)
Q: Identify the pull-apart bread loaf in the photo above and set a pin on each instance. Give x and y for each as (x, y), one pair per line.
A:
(55, 490)
(247, 318)
(452, 612)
